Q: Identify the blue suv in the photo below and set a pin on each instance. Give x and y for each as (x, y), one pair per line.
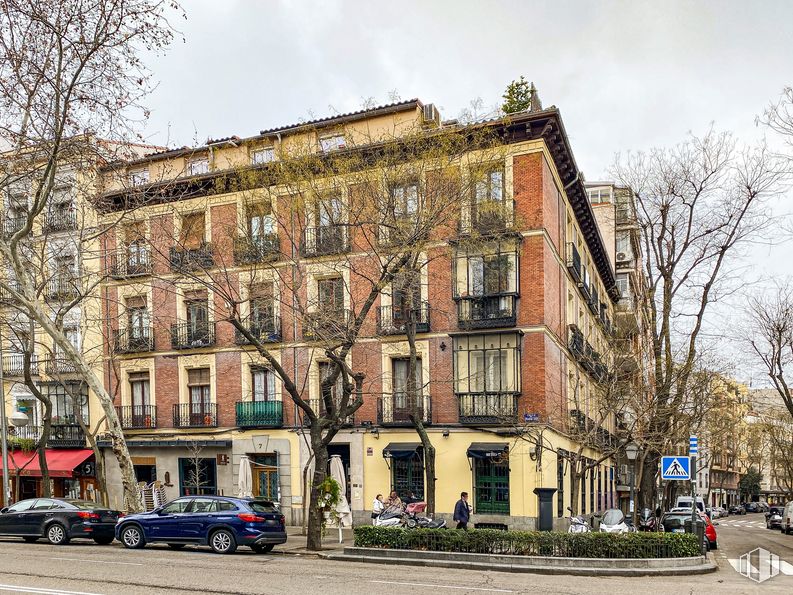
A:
(219, 522)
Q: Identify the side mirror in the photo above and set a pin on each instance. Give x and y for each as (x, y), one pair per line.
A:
(3, 510)
(715, 524)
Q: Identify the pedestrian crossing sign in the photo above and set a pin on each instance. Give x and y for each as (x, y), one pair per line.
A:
(676, 468)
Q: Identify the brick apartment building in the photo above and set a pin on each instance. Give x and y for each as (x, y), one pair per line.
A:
(503, 326)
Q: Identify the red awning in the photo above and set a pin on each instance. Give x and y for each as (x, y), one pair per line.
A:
(61, 462)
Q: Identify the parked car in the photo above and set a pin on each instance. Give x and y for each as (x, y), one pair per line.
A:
(59, 520)
(752, 507)
(787, 518)
(721, 511)
(686, 501)
(773, 518)
(220, 522)
(674, 522)
(763, 506)
(737, 509)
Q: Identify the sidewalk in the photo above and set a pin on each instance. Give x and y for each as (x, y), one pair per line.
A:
(296, 542)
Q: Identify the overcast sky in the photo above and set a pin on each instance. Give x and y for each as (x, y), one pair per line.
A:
(626, 74)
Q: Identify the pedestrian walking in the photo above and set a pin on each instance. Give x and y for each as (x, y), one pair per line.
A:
(377, 507)
(461, 511)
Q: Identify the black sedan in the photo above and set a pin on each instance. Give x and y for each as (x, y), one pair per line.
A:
(737, 509)
(59, 520)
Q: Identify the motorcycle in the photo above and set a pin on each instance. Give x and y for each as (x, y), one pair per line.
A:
(390, 517)
(577, 523)
(415, 519)
(648, 521)
(613, 521)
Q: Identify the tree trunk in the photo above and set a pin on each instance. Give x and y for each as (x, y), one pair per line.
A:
(315, 519)
(575, 486)
(647, 489)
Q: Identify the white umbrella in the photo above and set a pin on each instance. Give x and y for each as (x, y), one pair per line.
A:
(245, 480)
(342, 508)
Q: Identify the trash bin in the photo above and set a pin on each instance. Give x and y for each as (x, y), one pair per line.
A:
(698, 528)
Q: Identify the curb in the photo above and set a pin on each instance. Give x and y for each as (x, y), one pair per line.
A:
(708, 566)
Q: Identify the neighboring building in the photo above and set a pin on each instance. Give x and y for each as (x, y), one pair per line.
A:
(505, 326)
(770, 422)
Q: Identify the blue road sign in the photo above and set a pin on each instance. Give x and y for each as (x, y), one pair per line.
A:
(678, 468)
(693, 445)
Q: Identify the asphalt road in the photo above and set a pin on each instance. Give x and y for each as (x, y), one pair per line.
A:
(90, 569)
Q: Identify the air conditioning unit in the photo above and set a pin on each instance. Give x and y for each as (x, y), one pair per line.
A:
(622, 257)
(432, 117)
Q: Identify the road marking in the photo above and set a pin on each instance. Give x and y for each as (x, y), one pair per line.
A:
(20, 589)
(98, 561)
(442, 586)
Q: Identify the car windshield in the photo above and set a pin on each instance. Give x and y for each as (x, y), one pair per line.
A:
(83, 504)
(674, 521)
(262, 506)
(612, 517)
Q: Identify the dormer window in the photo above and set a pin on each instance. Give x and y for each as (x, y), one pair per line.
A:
(333, 142)
(265, 155)
(138, 177)
(196, 167)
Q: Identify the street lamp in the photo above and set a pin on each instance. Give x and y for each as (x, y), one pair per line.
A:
(632, 451)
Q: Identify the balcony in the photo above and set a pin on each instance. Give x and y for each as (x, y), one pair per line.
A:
(486, 311)
(575, 341)
(135, 340)
(573, 261)
(5, 296)
(192, 336)
(61, 435)
(395, 410)
(14, 365)
(195, 415)
(394, 321)
(266, 331)
(11, 225)
(57, 365)
(251, 250)
(488, 408)
(324, 240)
(192, 259)
(326, 325)
(60, 220)
(319, 408)
(493, 217)
(137, 417)
(260, 414)
(63, 288)
(126, 264)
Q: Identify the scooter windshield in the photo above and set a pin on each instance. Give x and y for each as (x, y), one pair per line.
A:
(612, 517)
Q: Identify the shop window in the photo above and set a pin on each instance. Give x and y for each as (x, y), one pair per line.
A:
(491, 486)
(197, 476)
(407, 475)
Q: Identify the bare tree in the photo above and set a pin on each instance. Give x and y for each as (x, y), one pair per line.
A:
(698, 204)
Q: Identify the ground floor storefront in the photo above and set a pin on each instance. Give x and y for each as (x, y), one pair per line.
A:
(72, 474)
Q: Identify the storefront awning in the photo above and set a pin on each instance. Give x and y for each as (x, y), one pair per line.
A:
(486, 450)
(61, 462)
(401, 450)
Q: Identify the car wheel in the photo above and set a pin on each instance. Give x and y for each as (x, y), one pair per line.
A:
(222, 542)
(714, 545)
(56, 534)
(176, 546)
(262, 548)
(103, 540)
(132, 537)
(30, 539)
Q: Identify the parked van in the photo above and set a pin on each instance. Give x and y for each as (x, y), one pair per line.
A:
(787, 519)
(685, 502)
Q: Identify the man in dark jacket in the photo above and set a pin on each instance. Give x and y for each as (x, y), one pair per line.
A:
(461, 512)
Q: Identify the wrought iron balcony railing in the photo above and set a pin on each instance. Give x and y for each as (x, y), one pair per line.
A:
(57, 365)
(250, 250)
(318, 406)
(137, 417)
(498, 408)
(396, 409)
(394, 321)
(192, 259)
(133, 340)
(325, 240)
(63, 287)
(130, 263)
(493, 217)
(195, 415)
(486, 311)
(260, 414)
(61, 435)
(266, 331)
(192, 336)
(573, 261)
(14, 365)
(326, 325)
(60, 221)
(11, 225)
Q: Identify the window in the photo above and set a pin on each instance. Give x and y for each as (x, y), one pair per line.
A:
(329, 211)
(592, 489)
(43, 504)
(405, 199)
(624, 244)
(490, 189)
(61, 200)
(407, 475)
(197, 477)
(405, 296)
(197, 167)
(63, 407)
(265, 155)
(137, 317)
(65, 268)
(192, 235)
(203, 506)
(332, 142)
(197, 309)
(139, 390)
(623, 284)
(336, 391)
(17, 205)
(490, 273)
(260, 221)
(599, 195)
(263, 384)
(198, 385)
(137, 251)
(560, 484)
(138, 177)
(330, 294)
(491, 486)
(583, 489)
(487, 364)
(224, 506)
(265, 480)
(21, 506)
(176, 506)
(399, 385)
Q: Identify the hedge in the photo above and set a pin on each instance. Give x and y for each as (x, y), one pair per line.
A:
(532, 543)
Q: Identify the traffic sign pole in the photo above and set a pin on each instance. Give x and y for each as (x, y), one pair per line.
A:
(693, 450)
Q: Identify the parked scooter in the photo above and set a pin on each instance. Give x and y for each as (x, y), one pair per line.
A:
(390, 517)
(647, 520)
(613, 521)
(414, 517)
(577, 523)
